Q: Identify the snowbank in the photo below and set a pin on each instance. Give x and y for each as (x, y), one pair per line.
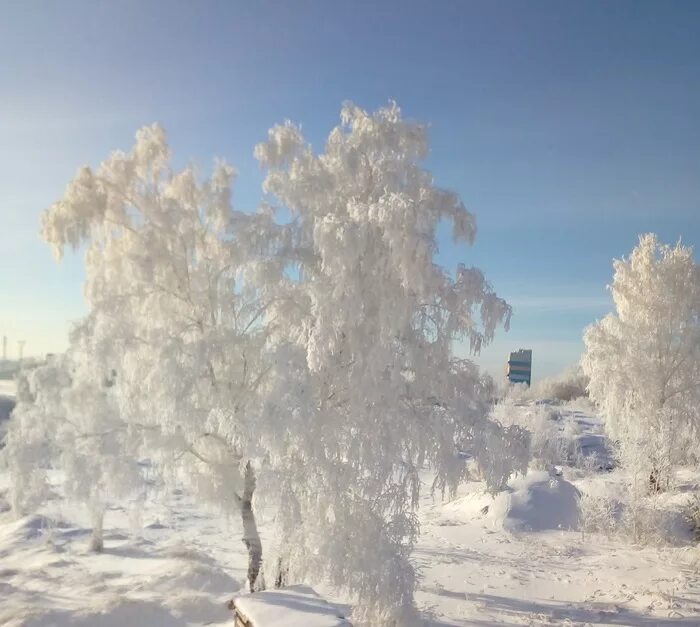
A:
(536, 502)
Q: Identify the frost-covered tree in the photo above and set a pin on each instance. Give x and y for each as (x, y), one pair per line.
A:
(644, 360)
(67, 418)
(307, 359)
(376, 319)
(172, 315)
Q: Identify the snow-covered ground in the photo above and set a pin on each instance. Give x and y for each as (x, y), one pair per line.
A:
(517, 559)
(476, 572)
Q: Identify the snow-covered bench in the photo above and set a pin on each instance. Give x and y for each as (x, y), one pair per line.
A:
(294, 606)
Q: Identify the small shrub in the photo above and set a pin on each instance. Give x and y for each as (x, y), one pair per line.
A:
(597, 514)
(691, 515)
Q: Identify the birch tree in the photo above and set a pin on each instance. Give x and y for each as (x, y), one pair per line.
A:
(163, 255)
(643, 360)
(376, 319)
(67, 418)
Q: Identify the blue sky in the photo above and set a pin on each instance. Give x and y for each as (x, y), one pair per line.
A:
(568, 128)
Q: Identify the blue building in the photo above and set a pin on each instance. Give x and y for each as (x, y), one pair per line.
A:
(519, 367)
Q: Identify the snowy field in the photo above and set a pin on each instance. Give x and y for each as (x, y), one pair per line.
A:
(518, 559)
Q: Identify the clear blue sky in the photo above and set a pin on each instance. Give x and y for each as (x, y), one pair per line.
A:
(567, 127)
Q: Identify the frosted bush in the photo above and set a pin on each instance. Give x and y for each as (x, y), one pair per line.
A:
(552, 441)
(599, 513)
(67, 417)
(567, 386)
(611, 508)
(691, 514)
(562, 388)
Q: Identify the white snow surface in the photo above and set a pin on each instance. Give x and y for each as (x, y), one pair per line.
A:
(518, 561)
(294, 606)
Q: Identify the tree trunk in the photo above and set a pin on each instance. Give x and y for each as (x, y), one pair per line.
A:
(654, 481)
(96, 539)
(251, 537)
(282, 574)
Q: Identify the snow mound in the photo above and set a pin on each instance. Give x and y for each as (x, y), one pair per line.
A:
(295, 606)
(197, 577)
(536, 502)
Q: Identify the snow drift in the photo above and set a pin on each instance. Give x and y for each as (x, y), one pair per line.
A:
(537, 502)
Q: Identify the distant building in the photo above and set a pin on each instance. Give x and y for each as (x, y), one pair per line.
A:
(519, 366)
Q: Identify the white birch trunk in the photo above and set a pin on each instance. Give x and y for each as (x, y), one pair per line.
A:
(251, 537)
